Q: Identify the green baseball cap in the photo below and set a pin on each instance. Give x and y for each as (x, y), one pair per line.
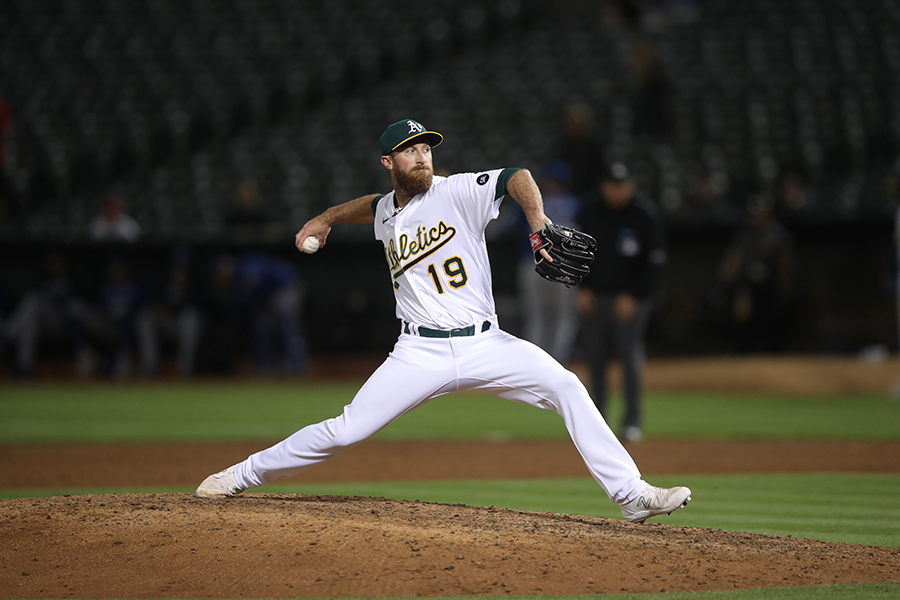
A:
(401, 132)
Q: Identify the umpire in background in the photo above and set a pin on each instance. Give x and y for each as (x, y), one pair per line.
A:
(614, 299)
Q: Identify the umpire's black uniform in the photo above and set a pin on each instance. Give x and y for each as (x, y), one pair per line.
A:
(614, 298)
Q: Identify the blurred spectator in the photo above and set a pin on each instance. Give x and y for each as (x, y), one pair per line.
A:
(222, 319)
(247, 220)
(264, 294)
(650, 97)
(706, 198)
(8, 201)
(177, 315)
(550, 315)
(580, 147)
(614, 299)
(54, 313)
(114, 223)
(273, 292)
(790, 194)
(125, 321)
(756, 273)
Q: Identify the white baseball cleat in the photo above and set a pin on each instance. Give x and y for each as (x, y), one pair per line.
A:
(221, 485)
(655, 501)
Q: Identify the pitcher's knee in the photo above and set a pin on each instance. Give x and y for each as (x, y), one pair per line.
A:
(568, 384)
(566, 388)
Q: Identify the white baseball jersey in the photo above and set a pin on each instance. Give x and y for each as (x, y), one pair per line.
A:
(436, 252)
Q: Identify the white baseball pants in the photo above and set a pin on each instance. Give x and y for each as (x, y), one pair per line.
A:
(420, 369)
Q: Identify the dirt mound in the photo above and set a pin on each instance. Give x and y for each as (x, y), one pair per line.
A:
(266, 545)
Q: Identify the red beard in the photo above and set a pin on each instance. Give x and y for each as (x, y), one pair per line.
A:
(415, 181)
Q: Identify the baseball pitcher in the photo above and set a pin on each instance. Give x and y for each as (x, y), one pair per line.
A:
(432, 231)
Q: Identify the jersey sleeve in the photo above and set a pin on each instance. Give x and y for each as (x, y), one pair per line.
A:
(477, 196)
(378, 208)
(375, 201)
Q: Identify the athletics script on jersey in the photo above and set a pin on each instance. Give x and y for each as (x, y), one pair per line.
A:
(408, 252)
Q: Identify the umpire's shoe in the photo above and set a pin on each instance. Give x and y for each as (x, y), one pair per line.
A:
(221, 485)
(655, 501)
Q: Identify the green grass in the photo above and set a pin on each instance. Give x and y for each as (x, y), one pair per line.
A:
(164, 412)
(264, 410)
(861, 416)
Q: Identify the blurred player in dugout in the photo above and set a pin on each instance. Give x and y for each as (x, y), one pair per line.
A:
(614, 299)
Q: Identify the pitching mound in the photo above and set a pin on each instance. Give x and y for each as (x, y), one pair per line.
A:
(266, 545)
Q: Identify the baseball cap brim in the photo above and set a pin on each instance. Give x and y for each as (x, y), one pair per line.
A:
(432, 137)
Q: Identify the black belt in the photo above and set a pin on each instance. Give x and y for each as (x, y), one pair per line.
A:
(443, 333)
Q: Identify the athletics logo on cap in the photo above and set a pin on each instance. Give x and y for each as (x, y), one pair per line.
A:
(405, 131)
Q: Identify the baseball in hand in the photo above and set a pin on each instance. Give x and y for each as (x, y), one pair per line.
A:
(311, 244)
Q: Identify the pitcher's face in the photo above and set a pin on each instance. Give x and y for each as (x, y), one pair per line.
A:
(411, 168)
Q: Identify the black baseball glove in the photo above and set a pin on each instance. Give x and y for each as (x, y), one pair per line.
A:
(572, 252)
